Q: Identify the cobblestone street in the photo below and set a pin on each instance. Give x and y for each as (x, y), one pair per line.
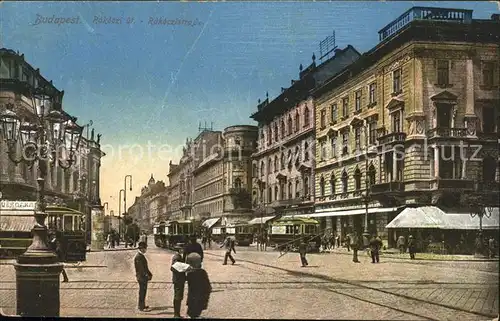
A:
(265, 285)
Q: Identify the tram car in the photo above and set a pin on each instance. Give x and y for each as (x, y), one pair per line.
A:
(286, 233)
(161, 232)
(67, 224)
(219, 233)
(243, 234)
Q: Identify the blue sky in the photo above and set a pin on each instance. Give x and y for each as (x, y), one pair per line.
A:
(139, 82)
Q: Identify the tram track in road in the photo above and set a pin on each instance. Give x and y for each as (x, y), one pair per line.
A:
(412, 306)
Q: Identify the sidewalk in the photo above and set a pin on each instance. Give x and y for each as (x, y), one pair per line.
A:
(394, 253)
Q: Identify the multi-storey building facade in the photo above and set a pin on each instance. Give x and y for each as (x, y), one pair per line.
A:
(283, 164)
(149, 207)
(402, 125)
(76, 187)
(174, 190)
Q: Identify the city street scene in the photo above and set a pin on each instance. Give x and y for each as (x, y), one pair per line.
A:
(273, 160)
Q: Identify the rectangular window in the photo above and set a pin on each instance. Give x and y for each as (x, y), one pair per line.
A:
(396, 81)
(396, 122)
(373, 93)
(345, 107)
(488, 120)
(357, 138)
(488, 73)
(333, 113)
(345, 143)
(323, 150)
(334, 146)
(358, 100)
(443, 72)
(323, 118)
(372, 128)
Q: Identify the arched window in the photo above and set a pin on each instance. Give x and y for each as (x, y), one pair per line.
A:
(290, 192)
(254, 170)
(345, 182)
(276, 167)
(276, 132)
(269, 135)
(306, 151)
(262, 169)
(322, 186)
(297, 156)
(332, 185)
(290, 126)
(357, 179)
(283, 129)
(297, 121)
(276, 192)
(269, 166)
(289, 159)
(269, 194)
(306, 117)
(489, 170)
(282, 161)
(261, 194)
(237, 183)
(371, 174)
(306, 186)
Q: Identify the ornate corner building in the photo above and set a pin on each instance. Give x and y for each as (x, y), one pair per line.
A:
(284, 163)
(213, 177)
(76, 187)
(413, 122)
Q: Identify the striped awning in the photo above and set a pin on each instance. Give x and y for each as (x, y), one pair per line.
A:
(17, 223)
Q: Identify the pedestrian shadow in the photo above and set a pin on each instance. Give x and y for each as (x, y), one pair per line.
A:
(161, 310)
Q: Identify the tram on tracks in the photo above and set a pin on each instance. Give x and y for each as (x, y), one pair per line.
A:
(242, 232)
(175, 234)
(67, 224)
(285, 233)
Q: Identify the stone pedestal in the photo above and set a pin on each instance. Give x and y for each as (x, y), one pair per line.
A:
(98, 239)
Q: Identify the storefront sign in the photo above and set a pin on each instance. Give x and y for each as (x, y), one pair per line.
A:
(278, 230)
(17, 205)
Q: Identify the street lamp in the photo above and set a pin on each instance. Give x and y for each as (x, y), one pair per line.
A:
(478, 208)
(120, 210)
(125, 192)
(50, 137)
(366, 195)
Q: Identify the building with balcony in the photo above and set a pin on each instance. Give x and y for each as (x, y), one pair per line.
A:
(413, 122)
(283, 165)
(76, 187)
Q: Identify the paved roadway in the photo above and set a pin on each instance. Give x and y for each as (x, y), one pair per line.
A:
(264, 285)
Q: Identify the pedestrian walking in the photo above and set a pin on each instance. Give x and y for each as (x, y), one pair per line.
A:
(229, 245)
(179, 281)
(331, 242)
(491, 247)
(199, 287)
(204, 240)
(143, 275)
(375, 245)
(192, 247)
(401, 243)
(354, 243)
(303, 252)
(348, 242)
(108, 240)
(337, 239)
(412, 248)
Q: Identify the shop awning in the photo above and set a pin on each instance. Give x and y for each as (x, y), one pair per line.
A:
(434, 217)
(210, 222)
(261, 220)
(23, 222)
(351, 212)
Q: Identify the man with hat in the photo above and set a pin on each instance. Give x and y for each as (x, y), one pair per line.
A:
(143, 275)
(193, 247)
(412, 248)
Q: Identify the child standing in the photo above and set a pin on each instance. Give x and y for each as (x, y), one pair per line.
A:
(199, 287)
(179, 280)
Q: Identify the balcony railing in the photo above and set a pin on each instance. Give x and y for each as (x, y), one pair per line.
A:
(390, 138)
(446, 183)
(487, 136)
(447, 132)
(387, 187)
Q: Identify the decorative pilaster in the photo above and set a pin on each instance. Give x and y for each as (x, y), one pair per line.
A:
(436, 161)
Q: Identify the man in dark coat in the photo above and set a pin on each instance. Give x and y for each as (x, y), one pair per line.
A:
(192, 247)
(375, 245)
(412, 247)
(303, 252)
(143, 275)
(353, 238)
(199, 287)
(179, 281)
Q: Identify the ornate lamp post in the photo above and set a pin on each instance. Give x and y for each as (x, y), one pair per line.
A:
(49, 138)
(478, 207)
(366, 195)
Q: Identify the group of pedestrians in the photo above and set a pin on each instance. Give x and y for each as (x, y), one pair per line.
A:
(186, 266)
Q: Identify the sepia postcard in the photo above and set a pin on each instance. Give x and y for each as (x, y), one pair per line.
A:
(250, 159)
